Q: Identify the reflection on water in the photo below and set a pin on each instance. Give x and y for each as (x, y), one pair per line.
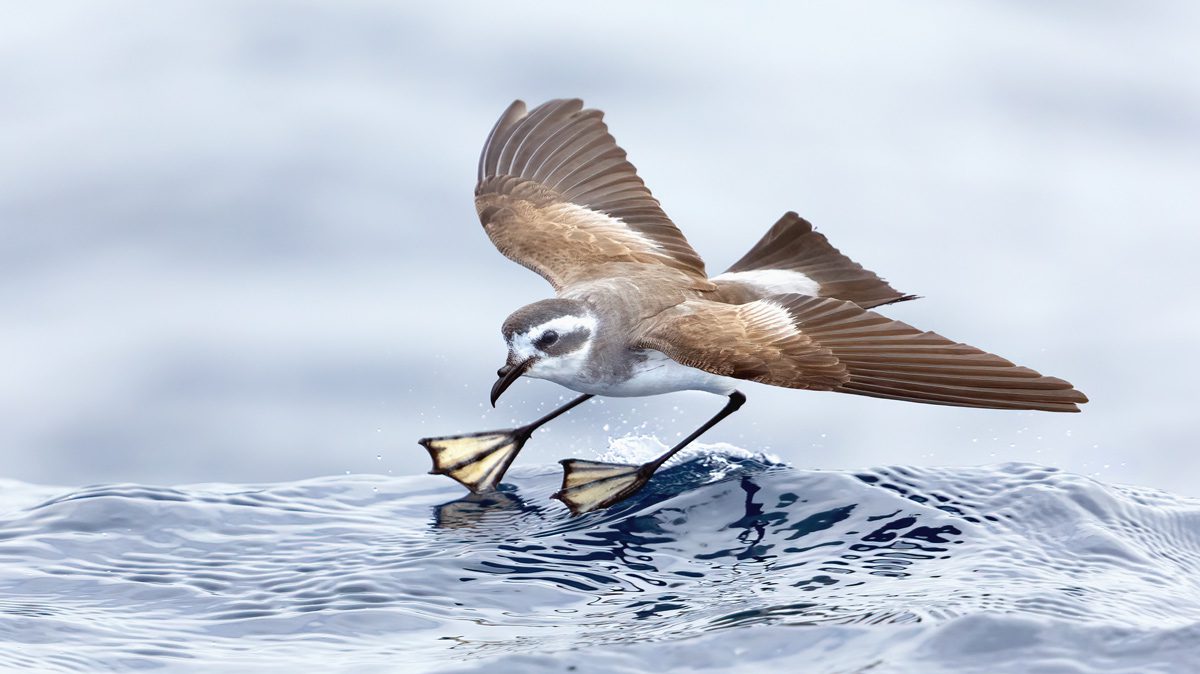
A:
(762, 541)
(482, 510)
(372, 571)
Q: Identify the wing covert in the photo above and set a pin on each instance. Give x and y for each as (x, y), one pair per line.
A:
(756, 341)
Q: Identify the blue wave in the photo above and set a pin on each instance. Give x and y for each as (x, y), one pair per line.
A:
(720, 562)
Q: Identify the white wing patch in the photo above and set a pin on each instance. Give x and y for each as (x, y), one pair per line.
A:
(773, 281)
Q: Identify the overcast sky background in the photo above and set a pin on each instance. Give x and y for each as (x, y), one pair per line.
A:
(237, 240)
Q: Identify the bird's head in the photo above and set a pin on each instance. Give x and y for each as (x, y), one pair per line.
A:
(549, 339)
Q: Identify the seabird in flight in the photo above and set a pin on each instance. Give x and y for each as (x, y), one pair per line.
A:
(636, 314)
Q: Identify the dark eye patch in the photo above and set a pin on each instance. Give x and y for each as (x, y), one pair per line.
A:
(561, 343)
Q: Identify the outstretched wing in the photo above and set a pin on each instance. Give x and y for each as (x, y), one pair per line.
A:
(792, 257)
(557, 195)
(827, 344)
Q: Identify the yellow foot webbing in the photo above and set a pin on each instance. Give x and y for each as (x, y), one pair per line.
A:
(478, 460)
(591, 485)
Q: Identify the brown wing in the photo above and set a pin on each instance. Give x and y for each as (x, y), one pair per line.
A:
(778, 340)
(793, 254)
(557, 195)
(757, 341)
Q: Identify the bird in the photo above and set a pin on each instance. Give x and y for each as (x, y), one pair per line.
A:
(635, 312)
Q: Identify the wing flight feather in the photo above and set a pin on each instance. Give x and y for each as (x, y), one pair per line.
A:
(558, 195)
(829, 344)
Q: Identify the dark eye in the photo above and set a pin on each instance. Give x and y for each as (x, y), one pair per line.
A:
(548, 338)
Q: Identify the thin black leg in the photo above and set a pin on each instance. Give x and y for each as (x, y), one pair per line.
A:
(736, 400)
(590, 485)
(532, 426)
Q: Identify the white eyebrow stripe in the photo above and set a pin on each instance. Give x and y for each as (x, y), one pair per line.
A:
(522, 343)
(564, 324)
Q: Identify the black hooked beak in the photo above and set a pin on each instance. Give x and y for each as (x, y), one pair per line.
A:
(507, 375)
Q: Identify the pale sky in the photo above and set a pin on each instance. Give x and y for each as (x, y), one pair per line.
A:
(239, 241)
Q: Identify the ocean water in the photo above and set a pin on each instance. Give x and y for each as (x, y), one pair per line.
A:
(727, 562)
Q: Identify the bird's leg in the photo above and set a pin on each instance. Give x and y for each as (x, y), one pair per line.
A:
(590, 485)
(478, 461)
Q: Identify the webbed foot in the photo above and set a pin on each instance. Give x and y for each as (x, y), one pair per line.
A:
(591, 485)
(478, 461)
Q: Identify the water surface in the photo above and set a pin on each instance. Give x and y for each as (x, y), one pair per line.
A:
(725, 561)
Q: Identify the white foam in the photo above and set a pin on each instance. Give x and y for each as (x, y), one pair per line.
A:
(643, 448)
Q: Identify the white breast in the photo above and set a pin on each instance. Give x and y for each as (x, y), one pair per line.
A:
(659, 374)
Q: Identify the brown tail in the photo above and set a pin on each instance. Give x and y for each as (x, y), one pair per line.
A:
(889, 359)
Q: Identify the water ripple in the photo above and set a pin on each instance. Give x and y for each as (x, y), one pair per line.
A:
(915, 566)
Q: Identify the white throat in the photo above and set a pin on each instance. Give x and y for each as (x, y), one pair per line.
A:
(565, 369)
